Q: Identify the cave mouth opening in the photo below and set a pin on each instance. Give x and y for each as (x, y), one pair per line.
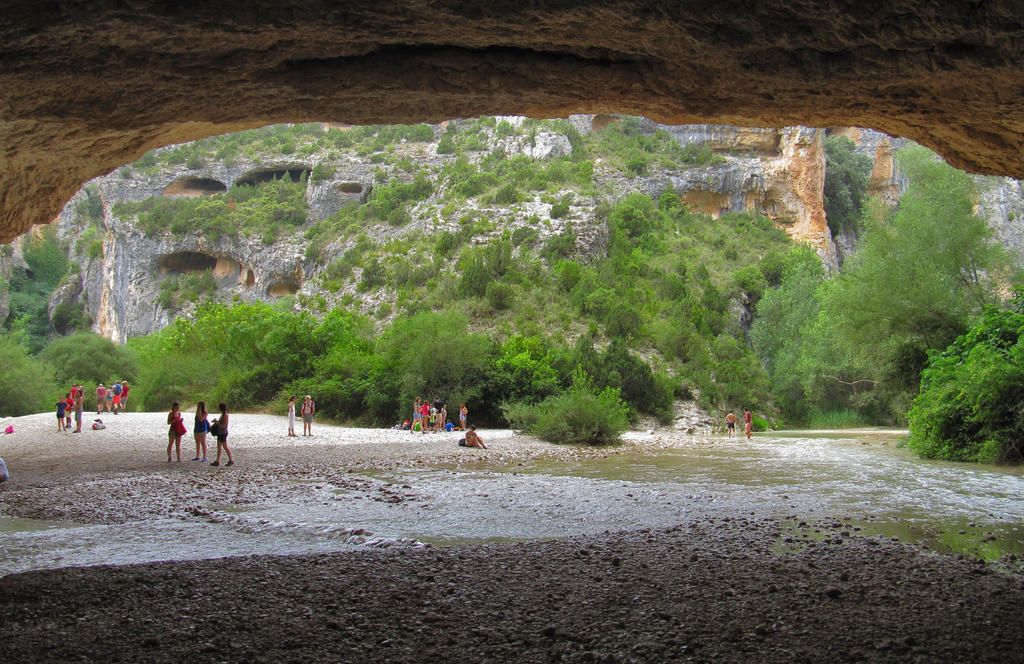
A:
(283, 286)
(350, 188)
(185, 262)
(264, 175)
(194, 187)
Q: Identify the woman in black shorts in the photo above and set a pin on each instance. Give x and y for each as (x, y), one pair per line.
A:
(221, 424)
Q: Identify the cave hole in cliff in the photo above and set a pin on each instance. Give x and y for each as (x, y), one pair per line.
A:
(194, 187)
(261, 176)
(186, 262)
(250, 278)
(283, 286)
(350, 188)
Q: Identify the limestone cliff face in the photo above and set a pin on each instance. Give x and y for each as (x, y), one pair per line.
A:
(1001, 202)
(775, 172)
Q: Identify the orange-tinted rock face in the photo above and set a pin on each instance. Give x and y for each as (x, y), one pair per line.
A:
(799, 188)
(86, 87)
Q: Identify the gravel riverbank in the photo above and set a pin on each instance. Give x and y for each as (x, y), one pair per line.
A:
(717, 588)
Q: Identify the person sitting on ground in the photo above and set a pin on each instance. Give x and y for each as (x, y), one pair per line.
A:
(472, 439)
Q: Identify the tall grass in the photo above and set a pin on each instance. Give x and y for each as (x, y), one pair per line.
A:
(837, 419)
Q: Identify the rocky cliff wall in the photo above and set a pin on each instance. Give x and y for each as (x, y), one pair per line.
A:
(775, 172)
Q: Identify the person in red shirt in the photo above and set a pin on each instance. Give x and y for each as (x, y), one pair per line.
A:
(424, 416)
(747, 421)
(124, 395)
(69, 401)
(101, 398)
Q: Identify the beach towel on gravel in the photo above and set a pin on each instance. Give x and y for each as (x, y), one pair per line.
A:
(3, 471)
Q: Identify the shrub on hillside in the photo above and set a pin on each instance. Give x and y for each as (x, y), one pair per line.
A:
(581, 416)
(499, 295)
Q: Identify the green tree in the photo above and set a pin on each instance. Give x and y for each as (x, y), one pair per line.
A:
(971, 405)
(25, 382)
(89, 358)
(846, 184)
(432, 356)
(914, 283)
(782, 329)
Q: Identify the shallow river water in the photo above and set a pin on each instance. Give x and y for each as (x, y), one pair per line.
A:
(857, 477)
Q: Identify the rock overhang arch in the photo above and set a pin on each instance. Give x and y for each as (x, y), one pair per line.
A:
(86, 89)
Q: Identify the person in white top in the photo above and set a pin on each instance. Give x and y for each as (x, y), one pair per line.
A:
(291, 415)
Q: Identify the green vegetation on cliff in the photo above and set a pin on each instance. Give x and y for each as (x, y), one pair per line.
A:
(971, 405)
(529, 286)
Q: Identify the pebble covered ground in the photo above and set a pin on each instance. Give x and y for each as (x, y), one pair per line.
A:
(719, 589)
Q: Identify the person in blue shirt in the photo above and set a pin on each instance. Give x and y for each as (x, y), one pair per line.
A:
(61, 412)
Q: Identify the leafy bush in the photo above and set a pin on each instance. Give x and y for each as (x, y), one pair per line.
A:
(971, 405)
(499, 295)
(25, 381)
(388, 201)
(90, 358)
(475, 275)
(321, 172)
(581, 416)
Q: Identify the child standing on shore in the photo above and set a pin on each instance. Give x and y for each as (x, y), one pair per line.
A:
(70, 401)
(62, 411)
(463, 413)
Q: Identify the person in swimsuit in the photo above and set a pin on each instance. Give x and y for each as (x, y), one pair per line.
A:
(730, 425)
(472, 439)
(748, 420)
(79, 394)
(463, 413)
(174, 431)
(62, 411)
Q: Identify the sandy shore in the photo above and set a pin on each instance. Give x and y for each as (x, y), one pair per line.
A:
(719, 589)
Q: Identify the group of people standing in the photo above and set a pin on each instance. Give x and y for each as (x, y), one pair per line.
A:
(112, 399)
(202, 426)
(428, 416)
(73, 402)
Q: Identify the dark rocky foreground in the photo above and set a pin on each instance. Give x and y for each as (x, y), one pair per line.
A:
(720, 591)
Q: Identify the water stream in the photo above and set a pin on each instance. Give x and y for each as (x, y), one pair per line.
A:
(859, 477)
